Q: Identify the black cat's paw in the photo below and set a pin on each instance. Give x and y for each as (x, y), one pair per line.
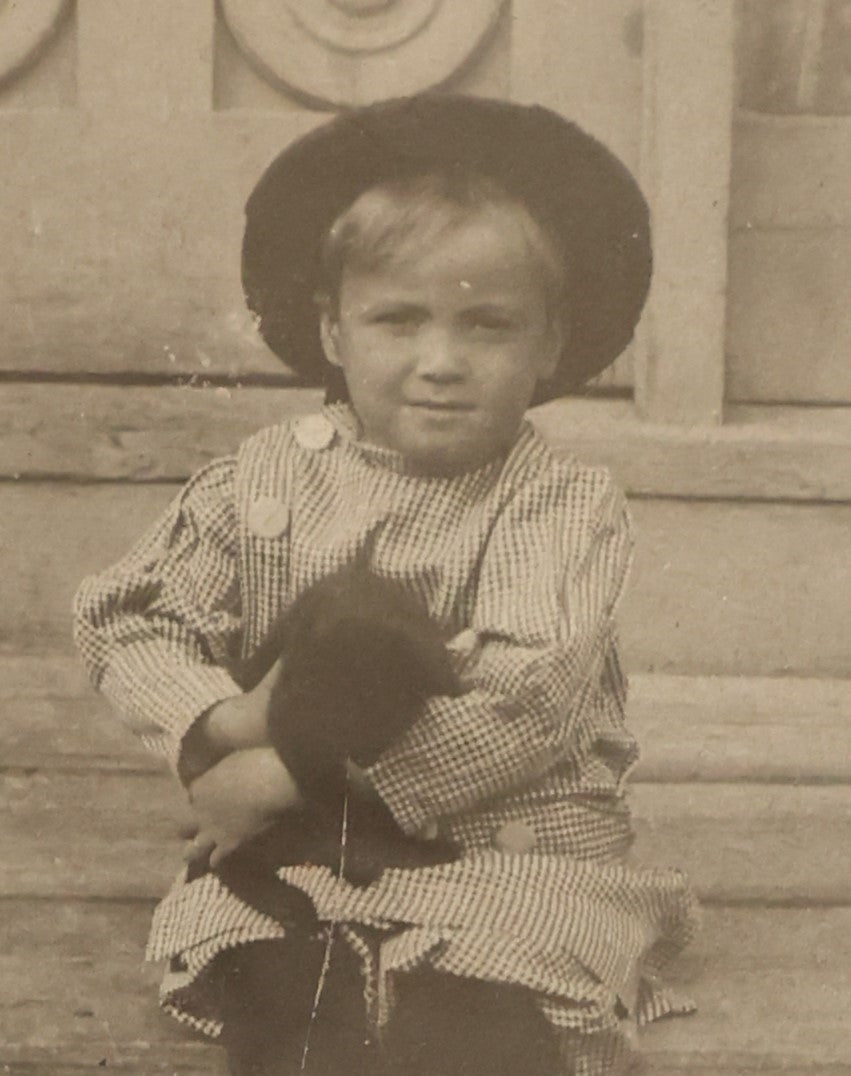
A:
(368, 856)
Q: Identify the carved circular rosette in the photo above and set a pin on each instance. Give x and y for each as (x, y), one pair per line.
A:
(353, 52)
(25, 28)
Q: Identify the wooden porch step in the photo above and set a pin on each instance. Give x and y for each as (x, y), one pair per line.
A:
(772, 984)
(744, 783)
(691, 728)
(117, 835)
(684, 612)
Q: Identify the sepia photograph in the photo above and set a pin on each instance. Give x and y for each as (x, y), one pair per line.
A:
(425, 521)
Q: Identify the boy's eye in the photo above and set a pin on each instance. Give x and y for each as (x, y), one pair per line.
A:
(489, 321)
(399, 317)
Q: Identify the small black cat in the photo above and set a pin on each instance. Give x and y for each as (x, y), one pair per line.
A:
(360, 657)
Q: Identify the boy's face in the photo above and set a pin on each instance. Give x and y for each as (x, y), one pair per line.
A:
(442, 352)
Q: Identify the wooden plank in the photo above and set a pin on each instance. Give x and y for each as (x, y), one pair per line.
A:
(91, 835)
(93, 431)
(53, 719)
(772, 986)
(753, 589)
(145, 55)
(117, 835)
(789, 315)
(717, 728)
(688, 105)
(87, 432)
(761, 843)
(75, 994)
(599, 86)
(690, 728)
(718, 588)
(47, 77)
(131, 263)
(771, 190)
(771, 453)
(44, 566)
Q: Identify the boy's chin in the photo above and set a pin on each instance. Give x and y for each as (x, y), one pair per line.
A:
(446, 459)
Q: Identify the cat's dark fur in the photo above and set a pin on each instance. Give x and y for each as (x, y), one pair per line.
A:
(360, 659)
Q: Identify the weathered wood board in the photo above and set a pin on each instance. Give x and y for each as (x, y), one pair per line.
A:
(770, 189)
(789, 319)
(772, 987)
(758, 453)
(91, 433)
(118, 835)
(729, 588)
(742, 728)
(690, 728)
(139, 276)
(790, 246)
(96, 432)
(74, 990)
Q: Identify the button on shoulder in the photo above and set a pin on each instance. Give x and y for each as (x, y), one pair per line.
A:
(267, 517)
(314, 432)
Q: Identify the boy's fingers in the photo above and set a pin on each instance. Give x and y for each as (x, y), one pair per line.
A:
(221, 850)
(187, 829)
(201, 845)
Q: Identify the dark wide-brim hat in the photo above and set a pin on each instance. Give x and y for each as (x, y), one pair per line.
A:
(573, 186)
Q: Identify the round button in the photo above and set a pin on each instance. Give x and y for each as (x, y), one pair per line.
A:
(314, 432)
(267, 517)
(515, 837)
(429, 830)
(465, 643)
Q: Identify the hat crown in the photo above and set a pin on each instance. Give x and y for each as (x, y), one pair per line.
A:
(571, 184)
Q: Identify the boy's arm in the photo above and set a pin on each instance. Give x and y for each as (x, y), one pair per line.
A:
(158, 630)
(516, 721)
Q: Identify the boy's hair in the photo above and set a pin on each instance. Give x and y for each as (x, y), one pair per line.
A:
(395, 221)
(440, 150)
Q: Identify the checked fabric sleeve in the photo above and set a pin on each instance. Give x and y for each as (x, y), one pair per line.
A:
(544, 618)
(159, 628)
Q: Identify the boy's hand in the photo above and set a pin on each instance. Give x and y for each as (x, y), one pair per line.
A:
(241, 721)
(234, 724)
(237, 799)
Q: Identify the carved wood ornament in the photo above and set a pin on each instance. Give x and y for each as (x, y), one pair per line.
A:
(352, 52)
(26, 26)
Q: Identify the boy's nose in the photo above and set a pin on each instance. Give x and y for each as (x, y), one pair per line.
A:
(441, 356)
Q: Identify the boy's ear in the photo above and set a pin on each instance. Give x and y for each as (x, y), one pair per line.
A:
(328, 332)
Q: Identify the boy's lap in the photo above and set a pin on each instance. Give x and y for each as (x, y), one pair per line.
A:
(441, 1024)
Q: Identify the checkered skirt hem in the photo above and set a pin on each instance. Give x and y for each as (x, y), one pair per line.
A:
(589, 939)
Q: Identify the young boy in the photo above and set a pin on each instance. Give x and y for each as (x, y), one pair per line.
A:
(440, 263)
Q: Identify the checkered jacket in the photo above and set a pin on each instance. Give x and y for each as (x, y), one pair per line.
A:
(521, 561)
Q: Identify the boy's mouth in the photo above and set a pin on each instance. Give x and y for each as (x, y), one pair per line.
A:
(441, 405)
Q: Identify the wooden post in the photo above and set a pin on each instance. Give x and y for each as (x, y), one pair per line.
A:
(687, 127)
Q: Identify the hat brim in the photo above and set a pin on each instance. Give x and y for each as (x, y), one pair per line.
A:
(573, 185)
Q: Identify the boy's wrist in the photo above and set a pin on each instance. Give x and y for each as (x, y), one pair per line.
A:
(216, 733)
(199, 750)
(238, 723)
(220, 723)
